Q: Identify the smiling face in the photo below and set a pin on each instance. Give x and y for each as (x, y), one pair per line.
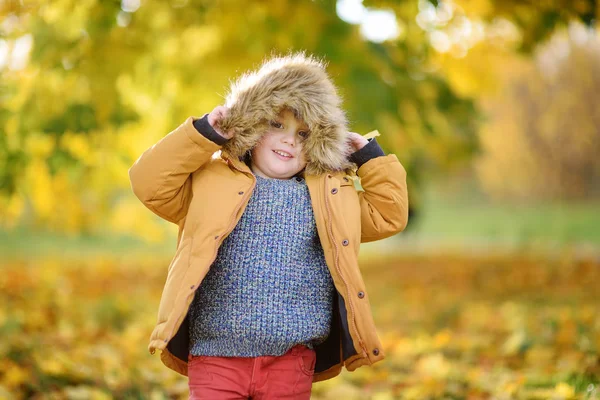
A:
(279, 153)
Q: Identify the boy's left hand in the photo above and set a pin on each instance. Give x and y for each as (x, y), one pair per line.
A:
(357, 141)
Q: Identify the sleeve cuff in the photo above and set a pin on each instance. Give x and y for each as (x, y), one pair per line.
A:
(368, 152)
(205, 128)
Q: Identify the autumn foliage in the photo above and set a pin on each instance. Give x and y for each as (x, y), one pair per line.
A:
(453, 328)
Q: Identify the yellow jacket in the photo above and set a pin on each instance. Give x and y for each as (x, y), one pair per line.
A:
(184, 180)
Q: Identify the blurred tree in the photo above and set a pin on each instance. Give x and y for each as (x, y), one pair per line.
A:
(105, 80)
(535, 20)
(543, 137)
(480, 45)
(88, 85)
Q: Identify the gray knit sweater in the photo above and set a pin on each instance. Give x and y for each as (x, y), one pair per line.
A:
(269, 287)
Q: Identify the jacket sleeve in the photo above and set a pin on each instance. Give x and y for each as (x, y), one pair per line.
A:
(384, 202)
(161, 176)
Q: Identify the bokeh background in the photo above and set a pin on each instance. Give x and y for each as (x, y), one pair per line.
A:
(491, 105)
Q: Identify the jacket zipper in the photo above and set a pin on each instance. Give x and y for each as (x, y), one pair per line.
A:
(229, 229)
(338, 269)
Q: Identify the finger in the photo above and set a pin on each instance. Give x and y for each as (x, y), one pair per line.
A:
(222, 112)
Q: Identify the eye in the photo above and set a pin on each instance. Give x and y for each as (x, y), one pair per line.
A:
(303, 134)
(276, 124)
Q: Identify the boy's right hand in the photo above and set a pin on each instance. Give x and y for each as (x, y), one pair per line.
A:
(214, 119)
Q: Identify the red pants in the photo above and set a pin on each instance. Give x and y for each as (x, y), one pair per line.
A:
(288, 376)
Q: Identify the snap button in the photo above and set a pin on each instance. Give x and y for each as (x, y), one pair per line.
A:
(376, 351)
(334, 191)
(345, 242)
(240, 193)
(361, 294)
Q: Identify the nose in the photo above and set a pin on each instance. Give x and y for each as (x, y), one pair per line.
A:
(290, 138)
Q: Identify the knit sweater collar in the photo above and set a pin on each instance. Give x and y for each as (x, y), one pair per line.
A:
(278, 182)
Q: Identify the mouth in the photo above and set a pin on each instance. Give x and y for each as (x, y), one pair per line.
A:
(284, 155)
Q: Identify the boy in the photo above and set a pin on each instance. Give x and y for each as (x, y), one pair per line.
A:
(264, 294)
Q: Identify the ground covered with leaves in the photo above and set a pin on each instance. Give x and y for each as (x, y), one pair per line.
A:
(453, 327)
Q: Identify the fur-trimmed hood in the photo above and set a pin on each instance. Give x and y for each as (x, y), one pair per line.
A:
(300, 83)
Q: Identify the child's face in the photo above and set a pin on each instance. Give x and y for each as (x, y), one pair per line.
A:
(285, 135)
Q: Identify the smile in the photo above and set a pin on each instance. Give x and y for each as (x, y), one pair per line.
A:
(282, 154)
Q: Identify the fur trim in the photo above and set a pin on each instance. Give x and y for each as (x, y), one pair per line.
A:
(298, 82)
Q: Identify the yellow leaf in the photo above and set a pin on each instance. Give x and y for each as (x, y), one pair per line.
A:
(442, 338)
(14, 376)
(564, 390)
(371, 134)
(433, 365)
(387, 395)
(86, 392)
